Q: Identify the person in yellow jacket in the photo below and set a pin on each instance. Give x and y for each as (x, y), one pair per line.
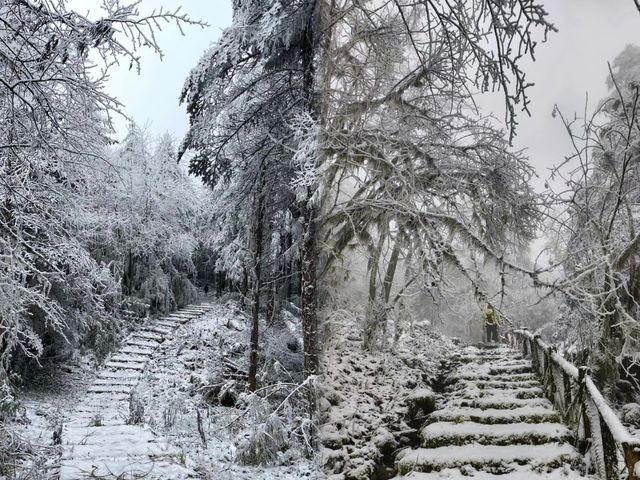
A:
(491, 323)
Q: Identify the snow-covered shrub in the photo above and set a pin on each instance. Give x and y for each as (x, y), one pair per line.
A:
(283, 357)
(136, 409)
(268, 435)
(8, 400)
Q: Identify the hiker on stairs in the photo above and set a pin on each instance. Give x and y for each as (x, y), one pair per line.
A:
(491, 323)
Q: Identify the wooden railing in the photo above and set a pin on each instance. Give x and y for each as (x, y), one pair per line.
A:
(597, 430)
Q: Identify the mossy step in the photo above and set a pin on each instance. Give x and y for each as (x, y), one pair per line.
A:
(519, 473)
(157, 329)
(109, 388)
(484, 377)
(146, 335)
(528, 414)
(137, 350)
(473, 391)
(440, 434)
(138, 342)
(168, 324)
(488, 458)
(129, 357)
(500, 384)
(501, 402)
(116, 381)
(125, 365)
(510, 369)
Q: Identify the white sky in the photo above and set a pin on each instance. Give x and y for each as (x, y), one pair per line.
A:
(573, 62)
(152, 97)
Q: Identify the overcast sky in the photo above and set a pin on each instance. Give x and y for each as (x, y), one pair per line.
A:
(571, 63)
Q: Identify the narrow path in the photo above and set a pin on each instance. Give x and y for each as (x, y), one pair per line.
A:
(102, 439)
(495, 424)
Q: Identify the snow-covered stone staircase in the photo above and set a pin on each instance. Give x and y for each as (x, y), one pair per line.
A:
(100, 441)
(494, 424)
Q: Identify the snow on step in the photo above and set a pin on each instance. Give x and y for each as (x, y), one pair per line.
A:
(137, 350)
(164, 331)
(98, 441)
(494, 424)
(445, 433)
(502, 402)
(148, 336)
(142, 343)
(487, 457)
(519, 473)
(132, 446)
(122, 375)
(128, 468)
(116, 381)
(129, 357)
(125, 365)
(528, 414)
(474, 391)
(167, 324)
(106, 388)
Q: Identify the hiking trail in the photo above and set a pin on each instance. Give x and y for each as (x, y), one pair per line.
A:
(494, 423)
(102, 437)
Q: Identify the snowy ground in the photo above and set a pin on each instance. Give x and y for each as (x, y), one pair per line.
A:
(366, 410)
(172, 395)
(172, 391)
(45, 403)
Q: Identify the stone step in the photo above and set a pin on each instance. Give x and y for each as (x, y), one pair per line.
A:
(181, 317)
(122, 451)
(523, 392)
(135, 342)
(104, 388)
(440, 434)
(170, 325)
(496, 384)
(491, 458)
(479, 377)
(125, 365)
(156, 329)
(131, 468)
(518, 473)
(129, 357)
(146, 335)
(501, 402)
(116, 381)
(120, 375)
(137, 350)
(510, 369)
(527, 414)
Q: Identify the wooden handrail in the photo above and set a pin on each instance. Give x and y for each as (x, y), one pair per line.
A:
(598, 431)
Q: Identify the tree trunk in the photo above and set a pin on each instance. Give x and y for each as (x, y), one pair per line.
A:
(257, 284)
(309, 292)
(309, 254)
(391, 271)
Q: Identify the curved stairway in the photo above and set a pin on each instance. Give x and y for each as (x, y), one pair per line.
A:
(100, 440)
(494, 424)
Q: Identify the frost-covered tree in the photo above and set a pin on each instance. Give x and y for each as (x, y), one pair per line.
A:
(596, 217)
(359, 92)
(55, 114)
(243, 105)
(140, 220)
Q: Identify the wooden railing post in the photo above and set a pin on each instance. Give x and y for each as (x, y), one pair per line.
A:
(631, 458)
(571, 389)
(583, 414)
(609, 451)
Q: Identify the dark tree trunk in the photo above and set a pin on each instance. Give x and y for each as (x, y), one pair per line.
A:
(309, 254)
(309, 293)
(257, 284)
